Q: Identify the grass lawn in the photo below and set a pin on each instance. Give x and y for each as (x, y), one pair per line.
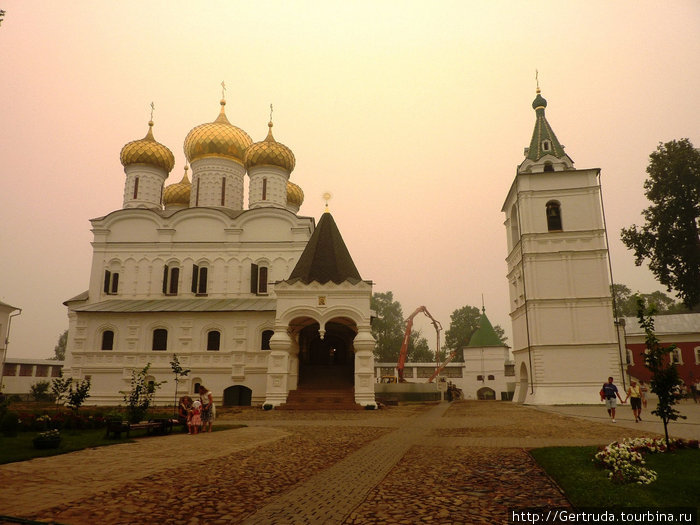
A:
(21, 448)
(585, 485)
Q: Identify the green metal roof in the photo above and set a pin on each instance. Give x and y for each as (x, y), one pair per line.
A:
(543, 132)
(180, 305)
(485, 335)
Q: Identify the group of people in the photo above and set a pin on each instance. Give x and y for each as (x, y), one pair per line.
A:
(636, 394)
(197, 415)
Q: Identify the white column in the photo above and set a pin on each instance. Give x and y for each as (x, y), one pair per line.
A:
(278, 367)
(364, 367)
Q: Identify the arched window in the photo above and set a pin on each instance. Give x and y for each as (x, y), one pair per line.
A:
(514, 226)
(548, 166)
(553, 216)
(213, 340)
(264, 188)
(160, 339)
(479, 377)
(108, 340)
(223, 191)
(266, 336)
(491, 377)
(136, 187)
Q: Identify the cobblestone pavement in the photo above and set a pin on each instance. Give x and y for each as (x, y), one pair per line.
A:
(440, 463)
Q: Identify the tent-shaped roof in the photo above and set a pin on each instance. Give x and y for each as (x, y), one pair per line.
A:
(325, 258)
(485, 335)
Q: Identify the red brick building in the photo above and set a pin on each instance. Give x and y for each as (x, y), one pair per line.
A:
(683, 330)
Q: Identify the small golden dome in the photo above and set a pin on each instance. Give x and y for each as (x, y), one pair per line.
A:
(178, 193)
(217, 139)
(148, 151)
(271, 153)
(294, 194)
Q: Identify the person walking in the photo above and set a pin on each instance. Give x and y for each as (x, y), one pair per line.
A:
(208, 409)
(634, 394)
(608, 393)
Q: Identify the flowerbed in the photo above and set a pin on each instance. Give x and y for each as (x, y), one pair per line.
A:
(625, 459)
(48, 439)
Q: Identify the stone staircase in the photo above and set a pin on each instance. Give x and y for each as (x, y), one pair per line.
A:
(323, 388)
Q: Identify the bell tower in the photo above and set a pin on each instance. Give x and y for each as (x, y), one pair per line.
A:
(564, 339)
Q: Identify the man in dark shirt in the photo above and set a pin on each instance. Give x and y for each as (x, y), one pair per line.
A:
(608, 392)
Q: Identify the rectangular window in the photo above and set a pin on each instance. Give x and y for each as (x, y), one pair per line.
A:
(111, 283)
(262, 280)
(26, 370)
(223, 191)
(10, 370)
(171, 276)
(136, 187)
(264, 189)
(42, 370)
(253, 278)
(55, 371)
(199, 279)
(160, 339)
(213, 340)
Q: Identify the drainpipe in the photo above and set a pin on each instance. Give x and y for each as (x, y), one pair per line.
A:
(612, 292)
(15, 313)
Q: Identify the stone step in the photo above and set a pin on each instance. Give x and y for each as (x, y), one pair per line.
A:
(321, 399)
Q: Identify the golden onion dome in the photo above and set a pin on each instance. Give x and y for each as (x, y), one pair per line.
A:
(217, 139)
(147, 151)
(294, 194)
(178, 193)
(269, 152)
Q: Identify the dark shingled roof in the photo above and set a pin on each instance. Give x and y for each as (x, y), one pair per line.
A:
(325, 258)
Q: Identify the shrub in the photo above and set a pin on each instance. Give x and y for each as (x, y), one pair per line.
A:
(9, 424)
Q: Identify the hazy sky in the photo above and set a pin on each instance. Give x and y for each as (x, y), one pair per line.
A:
(414, 115)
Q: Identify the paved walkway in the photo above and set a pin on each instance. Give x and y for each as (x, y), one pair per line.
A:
(682, 428)
(448, 463)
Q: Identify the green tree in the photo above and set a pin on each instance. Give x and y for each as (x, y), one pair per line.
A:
(665, 381)
(59, 389)
(179, 372)
(140, 397)
(76, 397)
(418, 349)
(388, 328)
(463, 323)
(60, 349)
(40, 391)
(626, 301)
(670, 237)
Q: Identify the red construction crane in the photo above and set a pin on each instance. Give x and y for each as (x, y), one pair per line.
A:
(407, 337)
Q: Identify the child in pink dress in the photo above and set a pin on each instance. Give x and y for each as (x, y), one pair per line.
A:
(195, 417)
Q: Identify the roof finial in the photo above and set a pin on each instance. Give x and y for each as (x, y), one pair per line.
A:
(537, 80)
(223, 90)
(483, 308)
(153, 107)
(327, 196)
(270, 115)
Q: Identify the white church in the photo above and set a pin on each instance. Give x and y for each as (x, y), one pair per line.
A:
(264, 305)
(256, 301)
